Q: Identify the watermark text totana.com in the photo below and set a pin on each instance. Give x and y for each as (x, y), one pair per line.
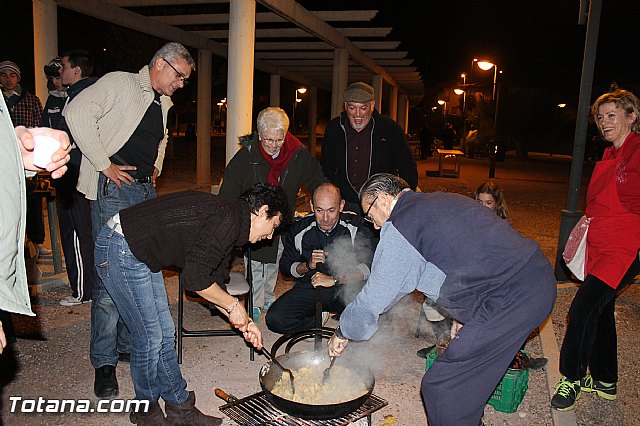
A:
(43, 405)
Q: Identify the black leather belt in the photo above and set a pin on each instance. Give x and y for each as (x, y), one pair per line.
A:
(147, 179)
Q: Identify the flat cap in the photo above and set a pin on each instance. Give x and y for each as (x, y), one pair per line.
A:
(359, 92)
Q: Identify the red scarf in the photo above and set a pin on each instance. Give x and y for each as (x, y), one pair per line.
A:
(287, 151)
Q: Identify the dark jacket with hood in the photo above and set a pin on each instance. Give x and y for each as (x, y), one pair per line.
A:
(390, 153)
(69, 181)
(248, 167)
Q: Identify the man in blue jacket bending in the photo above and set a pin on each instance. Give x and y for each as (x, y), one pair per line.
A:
(497, 285)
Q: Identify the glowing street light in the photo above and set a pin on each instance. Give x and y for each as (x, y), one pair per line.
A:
(444, 103)
(300, 90)
(486, 66)
(463, 92)
(222, 105)
(562, 105)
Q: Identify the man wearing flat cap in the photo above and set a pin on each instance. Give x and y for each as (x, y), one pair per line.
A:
(360, 143)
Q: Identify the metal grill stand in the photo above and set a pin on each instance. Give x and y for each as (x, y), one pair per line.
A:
(256, 410)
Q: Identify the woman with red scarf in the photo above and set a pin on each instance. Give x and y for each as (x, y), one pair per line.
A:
(272, 155)
(613, 240)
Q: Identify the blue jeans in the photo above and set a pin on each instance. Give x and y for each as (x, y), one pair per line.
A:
(141, 299)
(108, 333)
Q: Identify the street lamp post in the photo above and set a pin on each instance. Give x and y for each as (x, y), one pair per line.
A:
(444, 107)
(463, 92)
(485, 66)
(300, 90)
(222, 106)
(219, 127)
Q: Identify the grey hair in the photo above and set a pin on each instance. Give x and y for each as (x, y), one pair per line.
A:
(382, 183)
(171, 52)
(272, 118)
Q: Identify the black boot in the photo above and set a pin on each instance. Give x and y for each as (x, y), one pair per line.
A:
(153, 417)
(533, 363)
(424, 352)
(106, 384)
(188, 415)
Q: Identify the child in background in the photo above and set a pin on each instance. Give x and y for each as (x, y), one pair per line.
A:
(489, 195)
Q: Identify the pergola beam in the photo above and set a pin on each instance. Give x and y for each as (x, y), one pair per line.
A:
(321, 45)
(304, 19)
(117, 15)
(265, 17)
(298, 33)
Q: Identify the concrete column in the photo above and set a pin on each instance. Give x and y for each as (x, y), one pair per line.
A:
(376, 82)
(274, 90)
(242, 36)
(393, 103)
(312, 92)
(340, 79)
(203, 127)
(45, 42)
(403, 113)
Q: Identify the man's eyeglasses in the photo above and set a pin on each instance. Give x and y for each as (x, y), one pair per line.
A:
(181, 76)
(272, 141)
(366, 214)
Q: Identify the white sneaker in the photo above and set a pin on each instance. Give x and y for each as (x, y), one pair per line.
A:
(72, 301)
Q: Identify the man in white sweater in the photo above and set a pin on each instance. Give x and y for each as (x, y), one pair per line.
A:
(119, 124)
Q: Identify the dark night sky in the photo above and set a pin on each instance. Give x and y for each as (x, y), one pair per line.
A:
(537, 43)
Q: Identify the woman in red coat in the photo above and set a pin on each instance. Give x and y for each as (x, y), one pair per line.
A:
(613, 240)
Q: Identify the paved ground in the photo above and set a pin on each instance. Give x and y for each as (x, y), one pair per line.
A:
(54, 346)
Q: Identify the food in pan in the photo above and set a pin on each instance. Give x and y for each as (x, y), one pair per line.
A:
(343, 384)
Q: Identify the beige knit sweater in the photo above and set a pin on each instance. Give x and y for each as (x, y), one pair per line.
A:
(103, 117)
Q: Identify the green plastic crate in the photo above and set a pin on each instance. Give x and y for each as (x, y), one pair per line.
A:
(510, 391)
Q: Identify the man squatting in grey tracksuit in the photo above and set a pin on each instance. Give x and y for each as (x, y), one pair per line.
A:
(497, 285)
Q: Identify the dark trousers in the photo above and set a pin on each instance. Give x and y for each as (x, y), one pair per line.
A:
(592, 324)
(9, 365)
(460, 382)
(296, 309)
(7, 326)
(35, 217)
(74, 219)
